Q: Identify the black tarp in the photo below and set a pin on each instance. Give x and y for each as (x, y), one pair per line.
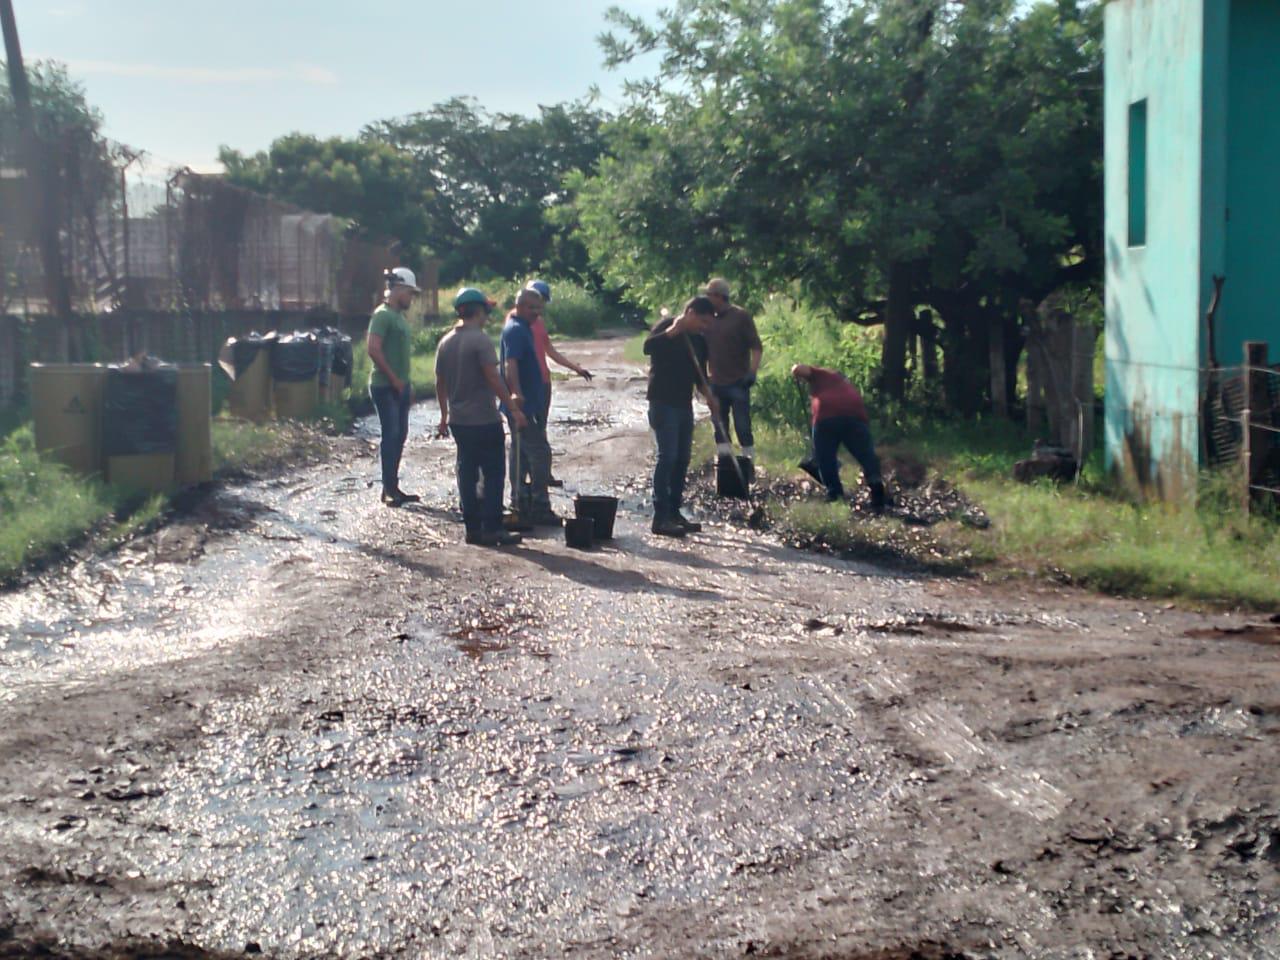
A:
(238, 353)
(140, 411)
(295, 358)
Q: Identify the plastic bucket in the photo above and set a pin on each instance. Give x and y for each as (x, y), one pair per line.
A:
(193, 455)
(580, 533)
(66, 405)
(729, 479)
(250, 394)
(296, 400)
(601, 511)
(152, 472)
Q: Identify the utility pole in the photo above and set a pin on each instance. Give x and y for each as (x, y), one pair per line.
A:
(39, 175)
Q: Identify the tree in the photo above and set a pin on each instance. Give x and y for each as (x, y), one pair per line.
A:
(877, 154)
(480, 191)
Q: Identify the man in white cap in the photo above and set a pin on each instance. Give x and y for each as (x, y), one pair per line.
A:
(389, 387)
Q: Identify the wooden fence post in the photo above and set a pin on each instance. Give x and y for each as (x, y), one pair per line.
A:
(1256, 417)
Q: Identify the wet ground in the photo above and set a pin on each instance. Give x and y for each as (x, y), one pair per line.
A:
(297, 723)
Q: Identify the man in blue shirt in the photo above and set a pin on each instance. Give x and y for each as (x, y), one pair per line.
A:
(530, 451)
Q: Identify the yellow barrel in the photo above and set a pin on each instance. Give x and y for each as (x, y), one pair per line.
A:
(297, 400)
(250, 395)
(193, 458)
(66, 405)
(152, 472)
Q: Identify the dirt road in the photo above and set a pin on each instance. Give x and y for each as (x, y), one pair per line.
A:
(301, 724)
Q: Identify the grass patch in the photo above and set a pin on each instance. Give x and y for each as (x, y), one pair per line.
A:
(45, 508)
(1209, 553)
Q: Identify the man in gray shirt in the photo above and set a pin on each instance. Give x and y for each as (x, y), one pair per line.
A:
(468, 387)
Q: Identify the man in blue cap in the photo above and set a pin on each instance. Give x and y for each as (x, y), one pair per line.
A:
(547, 351)
(530, 452)
(469, 387)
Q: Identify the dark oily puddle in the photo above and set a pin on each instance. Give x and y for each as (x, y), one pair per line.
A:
(457, 799)
(149, 603)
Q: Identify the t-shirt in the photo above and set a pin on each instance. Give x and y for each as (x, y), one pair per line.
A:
(832, 395)
(541, 341)
(461, 359)
(518, 345)
(672, 374)
(393, 328)
(730, 339)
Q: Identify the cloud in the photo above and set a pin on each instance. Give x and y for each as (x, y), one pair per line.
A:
(306, 72)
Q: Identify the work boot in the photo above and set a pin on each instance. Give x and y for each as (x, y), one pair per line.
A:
(668, 527)
(516, 522)
(407, 497)
(546, 517)
(877, 498)
(689, 525)
(393, 498)
(495, 538)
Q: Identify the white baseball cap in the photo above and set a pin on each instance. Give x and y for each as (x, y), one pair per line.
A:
(402, 277)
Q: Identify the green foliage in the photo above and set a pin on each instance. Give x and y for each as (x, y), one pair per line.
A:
(480, 191)
(864, 153)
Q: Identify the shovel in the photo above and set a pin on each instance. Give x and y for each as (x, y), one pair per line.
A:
(756, 518)
(513, 521)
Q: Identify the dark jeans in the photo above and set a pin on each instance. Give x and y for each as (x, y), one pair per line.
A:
(734, 399)
(393, 415)
(481, 452)
(531, 472)
(673, 429)
(828, 435)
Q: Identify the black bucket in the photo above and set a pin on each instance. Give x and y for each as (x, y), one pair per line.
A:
(600, 510)
(580, 533)
(734, 482)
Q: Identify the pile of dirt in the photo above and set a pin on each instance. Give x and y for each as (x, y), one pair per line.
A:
(917, 501)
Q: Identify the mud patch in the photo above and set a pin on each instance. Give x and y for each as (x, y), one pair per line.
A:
(1263, 634)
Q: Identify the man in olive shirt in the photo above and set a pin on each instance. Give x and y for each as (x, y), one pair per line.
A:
(389, 386)
(468, 387)
(733, 359)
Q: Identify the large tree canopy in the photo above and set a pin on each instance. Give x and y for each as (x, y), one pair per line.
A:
(878, 154)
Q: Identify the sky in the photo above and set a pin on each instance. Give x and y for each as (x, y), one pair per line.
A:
(179, 79)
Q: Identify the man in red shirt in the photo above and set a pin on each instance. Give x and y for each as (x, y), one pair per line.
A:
(840, 417)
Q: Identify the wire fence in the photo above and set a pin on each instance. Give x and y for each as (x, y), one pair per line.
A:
(134, 236)
(1241, 423)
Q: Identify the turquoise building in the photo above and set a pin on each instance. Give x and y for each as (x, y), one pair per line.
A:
(1192, 129)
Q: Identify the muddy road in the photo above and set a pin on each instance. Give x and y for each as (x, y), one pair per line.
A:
(297, 723)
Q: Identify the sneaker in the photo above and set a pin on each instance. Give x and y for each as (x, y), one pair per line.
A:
(392, 498)
(689, 525)
(407, 497)
(668, 528)
(810, 466)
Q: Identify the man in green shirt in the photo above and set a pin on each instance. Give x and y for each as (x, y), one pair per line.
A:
(389, 386)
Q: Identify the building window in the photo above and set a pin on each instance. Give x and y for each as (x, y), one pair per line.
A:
(1138, 173)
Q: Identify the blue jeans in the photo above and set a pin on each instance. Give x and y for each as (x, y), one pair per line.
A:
(734, 399)
(855, 435)
(481, 452)
(393, 415)
(673, 429)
